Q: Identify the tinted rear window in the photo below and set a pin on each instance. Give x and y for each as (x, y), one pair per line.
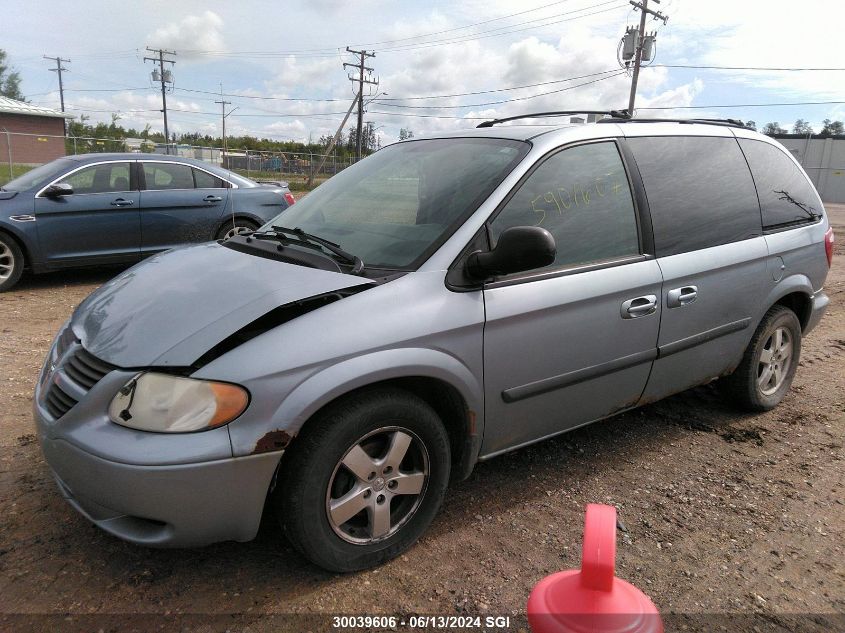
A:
(699, 191)
(786, 196)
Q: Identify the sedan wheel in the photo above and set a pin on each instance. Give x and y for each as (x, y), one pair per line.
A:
(238, 228)
(11, 262)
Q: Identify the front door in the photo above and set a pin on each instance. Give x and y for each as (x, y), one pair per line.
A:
(180, 204)
(99, 222)
(575, 341)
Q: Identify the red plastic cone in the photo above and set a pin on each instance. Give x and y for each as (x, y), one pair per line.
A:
(592, 599)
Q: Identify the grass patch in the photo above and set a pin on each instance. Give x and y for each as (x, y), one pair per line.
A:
(17, 170)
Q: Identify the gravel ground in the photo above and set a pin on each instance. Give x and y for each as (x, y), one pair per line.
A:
(723, 513)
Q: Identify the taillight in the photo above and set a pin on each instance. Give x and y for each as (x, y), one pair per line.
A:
(828, 246)
(289, 198)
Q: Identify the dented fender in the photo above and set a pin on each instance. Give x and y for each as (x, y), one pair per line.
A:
(326, 385)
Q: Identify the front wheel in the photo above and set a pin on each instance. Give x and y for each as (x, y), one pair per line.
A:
(766, 371)
(11, 262)
(364, 481)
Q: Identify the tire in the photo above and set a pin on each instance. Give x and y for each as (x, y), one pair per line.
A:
(11, 262)
(236, 227)
(315, 477)
(759, 384)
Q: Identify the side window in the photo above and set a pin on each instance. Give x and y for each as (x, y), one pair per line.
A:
(204, 180)
(581, 196)
(168, 176)
(786, 196)
(699, 190)
(105, 178)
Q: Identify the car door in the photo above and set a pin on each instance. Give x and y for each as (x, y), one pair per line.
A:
(708, 239)
(180, 204)
(98, 222)
(575, 341)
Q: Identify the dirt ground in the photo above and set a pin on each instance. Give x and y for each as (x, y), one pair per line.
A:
(723, 513)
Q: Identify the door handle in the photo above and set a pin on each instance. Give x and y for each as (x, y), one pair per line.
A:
(121, 202)
(679, 297)
(212, 199)
(639, 307)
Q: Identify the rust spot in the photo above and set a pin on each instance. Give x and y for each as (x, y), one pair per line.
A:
(272, 441)
(472, 429)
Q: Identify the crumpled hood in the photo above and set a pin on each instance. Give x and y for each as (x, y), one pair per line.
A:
(172, 308)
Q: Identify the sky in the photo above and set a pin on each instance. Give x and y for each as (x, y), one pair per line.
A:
(281, 63)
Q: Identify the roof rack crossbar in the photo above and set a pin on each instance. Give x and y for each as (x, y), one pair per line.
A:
(616, 114)
(722, 122)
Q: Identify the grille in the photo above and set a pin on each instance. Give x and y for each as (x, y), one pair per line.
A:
(77, 366)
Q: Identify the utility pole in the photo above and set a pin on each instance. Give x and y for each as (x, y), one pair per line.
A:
(223, 103)
(361, 81)
(332, 143)
(640, 42)
(164, 77)
(59, 69)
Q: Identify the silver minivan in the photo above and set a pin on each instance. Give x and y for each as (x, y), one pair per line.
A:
(442, 302)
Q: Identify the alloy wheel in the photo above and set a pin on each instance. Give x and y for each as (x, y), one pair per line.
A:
(237, 230)
(775, 361)
(377, 485)
(7, 262)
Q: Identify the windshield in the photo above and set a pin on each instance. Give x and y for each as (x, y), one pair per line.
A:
(39, 175)
(394, 208)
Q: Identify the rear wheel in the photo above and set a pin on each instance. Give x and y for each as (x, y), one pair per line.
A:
(364, 481)
(238, 226)
(11, 262)
(768, 366)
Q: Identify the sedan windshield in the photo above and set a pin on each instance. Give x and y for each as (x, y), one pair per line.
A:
(40, 175)
(396, 207)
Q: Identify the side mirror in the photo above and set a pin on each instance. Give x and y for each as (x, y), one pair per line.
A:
(59, 189)
(519, 248)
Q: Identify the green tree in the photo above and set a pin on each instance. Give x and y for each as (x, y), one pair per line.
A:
(832, 128)
(751, 125)
(10, 80)
(802, 127)
(773, 128)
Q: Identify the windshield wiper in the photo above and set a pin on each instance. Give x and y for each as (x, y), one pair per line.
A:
(306, 239)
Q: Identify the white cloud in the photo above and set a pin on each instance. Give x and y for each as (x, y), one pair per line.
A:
(191, 33)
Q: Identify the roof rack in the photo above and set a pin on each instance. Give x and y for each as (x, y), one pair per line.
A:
(616, 114)
(722, 122)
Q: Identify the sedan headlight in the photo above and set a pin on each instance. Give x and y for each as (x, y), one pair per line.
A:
(172, 404)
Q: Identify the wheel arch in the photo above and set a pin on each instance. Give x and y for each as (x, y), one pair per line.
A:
(444, 383)
(796, 293)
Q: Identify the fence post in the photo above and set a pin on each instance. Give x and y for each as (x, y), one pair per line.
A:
(310, 167)
(9, 149)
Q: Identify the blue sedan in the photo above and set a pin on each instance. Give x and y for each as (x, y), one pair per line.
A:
(96, 209)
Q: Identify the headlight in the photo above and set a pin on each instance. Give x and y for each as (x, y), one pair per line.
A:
(172, 404)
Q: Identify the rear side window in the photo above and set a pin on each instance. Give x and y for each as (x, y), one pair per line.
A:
(699, 191)
(168, 176)
(786, 196)
(581, 196)
(204, 180)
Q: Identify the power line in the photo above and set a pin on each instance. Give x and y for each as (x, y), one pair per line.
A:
(525, 98)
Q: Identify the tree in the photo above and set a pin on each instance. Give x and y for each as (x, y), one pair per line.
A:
(773, 128)
(751, 125)
(405, 134)
(832, 128)
(802, 127)
(10, 80)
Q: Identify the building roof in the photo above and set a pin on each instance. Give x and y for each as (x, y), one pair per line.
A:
(12, 106)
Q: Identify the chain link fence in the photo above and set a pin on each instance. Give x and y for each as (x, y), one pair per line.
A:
(20, 152)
